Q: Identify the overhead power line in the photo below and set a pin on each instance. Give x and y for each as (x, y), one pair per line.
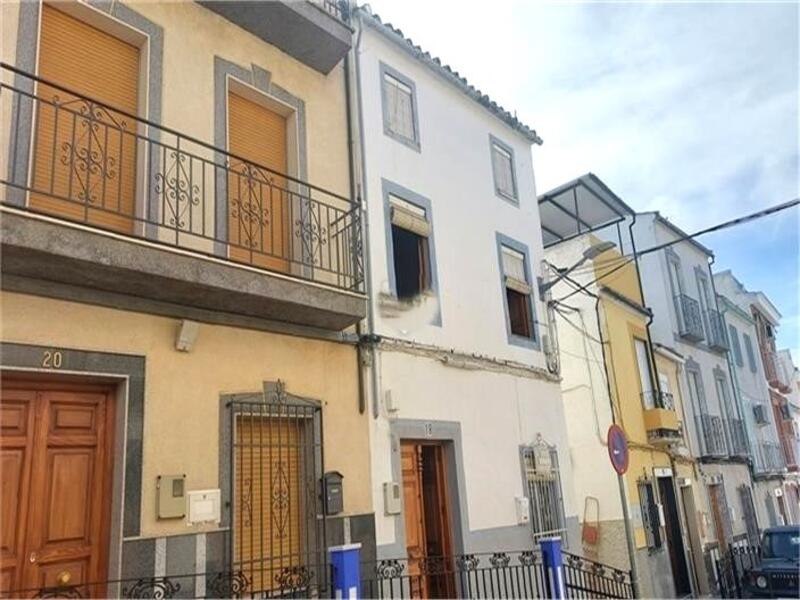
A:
(628, 258)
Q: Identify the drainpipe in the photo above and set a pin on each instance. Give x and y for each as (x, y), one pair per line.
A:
(623, 496)
(367, 339)
(351, 167)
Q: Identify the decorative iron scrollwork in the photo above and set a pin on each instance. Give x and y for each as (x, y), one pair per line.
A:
(71, 591)
(179, 193)
(294, 578)
(156, 588)
(229, 584)
(389, 568)
(499, 559)
(247, 503)
(597, 569)
(574, 561)
(527, 558)
(468, 562)
(280, 497)
(87, 156)
(311, 233)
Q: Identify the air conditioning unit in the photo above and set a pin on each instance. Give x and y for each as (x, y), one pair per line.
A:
(760, 414)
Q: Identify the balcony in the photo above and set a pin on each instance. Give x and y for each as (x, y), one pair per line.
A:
(315, 33)
(772, 460)
(690, 322)
(775, 371)
(738, 438)
(717, 335)
(660, 419)
(100, 199)
(713, 436)
(787, 444)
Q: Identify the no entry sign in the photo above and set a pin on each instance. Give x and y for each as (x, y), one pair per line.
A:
(618, 449)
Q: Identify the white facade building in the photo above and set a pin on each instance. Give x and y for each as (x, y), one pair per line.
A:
(463, 403)
(679, 289)
(750, 384)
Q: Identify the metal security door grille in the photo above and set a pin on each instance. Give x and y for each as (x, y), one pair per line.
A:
(540, 464)
(278, 534)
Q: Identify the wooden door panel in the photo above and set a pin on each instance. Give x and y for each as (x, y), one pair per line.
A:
(58, 451)
(16, 437)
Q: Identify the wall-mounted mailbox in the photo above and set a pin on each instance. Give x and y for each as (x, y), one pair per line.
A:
(204, 506)
(333, 493)
(171, 496)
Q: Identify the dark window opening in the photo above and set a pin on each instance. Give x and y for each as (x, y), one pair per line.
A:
(650, 514)
(519, 313)
(411, 263)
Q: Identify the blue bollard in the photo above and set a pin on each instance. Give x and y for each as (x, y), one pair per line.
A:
(553, 567)
(346, 563)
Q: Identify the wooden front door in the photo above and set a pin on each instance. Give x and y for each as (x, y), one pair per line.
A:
(259, 202)
(719, 512)
(84, 160)
(269, 515)
(427, 520)
(56, 485)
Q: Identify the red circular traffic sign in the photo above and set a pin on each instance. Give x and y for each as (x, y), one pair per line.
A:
(618, 449)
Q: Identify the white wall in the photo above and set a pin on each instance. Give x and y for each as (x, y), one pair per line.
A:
(454, 171)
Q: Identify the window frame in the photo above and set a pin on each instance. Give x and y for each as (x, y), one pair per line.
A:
(651, 520)
(736, 347)
(530, 449)
(393, 189)
(533, 342)
(386, 70)
(649, 376)
(751, 357)
(514, 197)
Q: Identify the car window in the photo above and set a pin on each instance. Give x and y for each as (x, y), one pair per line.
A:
(782, 544)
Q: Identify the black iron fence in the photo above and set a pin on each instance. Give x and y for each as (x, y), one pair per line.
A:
(78, 159)
(730, 570)
(308, 581)
(480, 575)
(586, 578)
(518, 574)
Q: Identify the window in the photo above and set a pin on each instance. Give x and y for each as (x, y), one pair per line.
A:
(737, 349)
(696, 390)
(399, 107)
(505, 180)
(748, 348)
(517, 290)
(410, 230)
(651, 521)
(543, 488)
(645, 373)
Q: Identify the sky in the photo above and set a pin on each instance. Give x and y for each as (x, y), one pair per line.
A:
(690, 109)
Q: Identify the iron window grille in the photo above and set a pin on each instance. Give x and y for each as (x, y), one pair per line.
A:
(543, 488)
(277, 525)
(651, 521)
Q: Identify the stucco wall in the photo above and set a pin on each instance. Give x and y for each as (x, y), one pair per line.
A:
(453, 170)
(496, 414)
(182, 390)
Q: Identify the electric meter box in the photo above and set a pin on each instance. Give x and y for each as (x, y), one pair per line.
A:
(391, 498)
(171, 496)
(523, 506)
(333, 492)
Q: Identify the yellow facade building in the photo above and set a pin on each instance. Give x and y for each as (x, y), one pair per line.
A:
(609, 376)
(182, 274)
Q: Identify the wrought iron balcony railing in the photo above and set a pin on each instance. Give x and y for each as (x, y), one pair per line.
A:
(717, 334)
(335, 8)
(656, 399)
(738, 437)
(713, 435)
(77, 159)
(689, 317)
(772, 459)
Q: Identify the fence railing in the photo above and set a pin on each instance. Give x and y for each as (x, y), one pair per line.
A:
(306, 581)
(479, 575)
(691, 321)
(78, 159)
(717, 335)
(586, 578)
(772, 459)
(656, 399)
(713, 435)
(738, 437)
